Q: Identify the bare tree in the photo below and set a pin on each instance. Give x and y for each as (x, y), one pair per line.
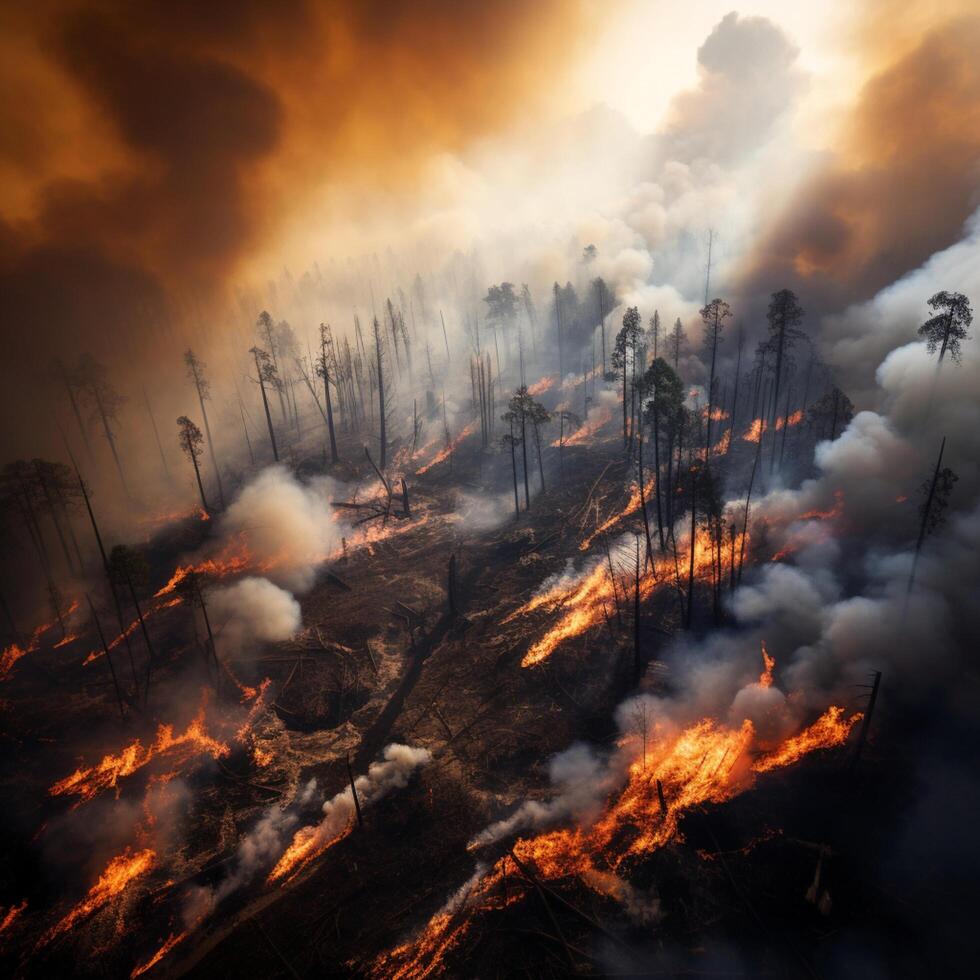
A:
(91, 378)
(265, 372)
(195, 371)
(324, 367)
(128, 569)
(190, 438)
(511, 440)
(384, 406)
(932, 511)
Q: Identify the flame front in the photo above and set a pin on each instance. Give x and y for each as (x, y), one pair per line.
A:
(306, 846)
(829, 730)
(173, 940)
(119, 873)
(632, 506)
(586, 602)
(755, 431)
(700, 764)
(445, 452)
(89, 782)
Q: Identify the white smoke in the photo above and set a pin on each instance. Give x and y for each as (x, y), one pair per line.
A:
(254, 610)
(265, 843)
(289, 526)
(582, 781)
(400, 762)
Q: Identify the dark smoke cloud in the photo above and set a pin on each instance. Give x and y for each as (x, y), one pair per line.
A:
(899, 189)
(206, 126)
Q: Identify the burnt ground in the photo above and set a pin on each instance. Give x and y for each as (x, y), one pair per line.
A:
(383, 658)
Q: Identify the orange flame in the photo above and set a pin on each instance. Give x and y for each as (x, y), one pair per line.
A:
(584, 602)
(755, 430)
(15, 651)
(172, 940)
(541, 386)
(586, 432)
(444, 453)
(829, 730)
(794, 419)
(697, 765)
(306, 846)
(119, 873)
(632, 506)
(8, 918)
(825, 515)
(765, 678)
(89, 782)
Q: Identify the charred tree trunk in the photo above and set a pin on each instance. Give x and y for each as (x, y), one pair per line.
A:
(214, 458)
(156, 435)
(108, 657)
(326, 392)
(923, 527)
(265, 405)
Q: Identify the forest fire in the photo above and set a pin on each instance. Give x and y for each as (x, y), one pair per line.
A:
(590, 597)
(15, 651)
(118, 875)
(449, 449)
(704, 763)
(794, 418)
(306, 846)
(661, 617)
(755, 431)
(9, 916)
(174, 940)
(830, 513)
(586, 432)
(541, 386)
(87, 783)
(633, 505)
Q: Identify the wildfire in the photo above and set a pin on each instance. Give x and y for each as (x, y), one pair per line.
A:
(119, 873)
(15, 651)
(765, 678)
(829, 730)
(825, 515)
(307, 845)
(586, 432)
(794, 419)
(755, 430)
(541, 386)
(89, 782)
(131, 628)
(445, 452)
(236, 558)
(8, 918)
(632, 506)
(698, 765)
(173, 940)
(584, 603)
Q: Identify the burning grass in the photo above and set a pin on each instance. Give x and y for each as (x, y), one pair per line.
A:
(88, 782)
(707, 762)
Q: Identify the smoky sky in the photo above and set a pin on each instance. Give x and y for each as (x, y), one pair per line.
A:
(204, 127)
(898, 186)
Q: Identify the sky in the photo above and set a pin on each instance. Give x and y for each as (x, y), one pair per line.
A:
(160, 162)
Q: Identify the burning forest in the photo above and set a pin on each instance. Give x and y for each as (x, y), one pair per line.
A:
(516, 513)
